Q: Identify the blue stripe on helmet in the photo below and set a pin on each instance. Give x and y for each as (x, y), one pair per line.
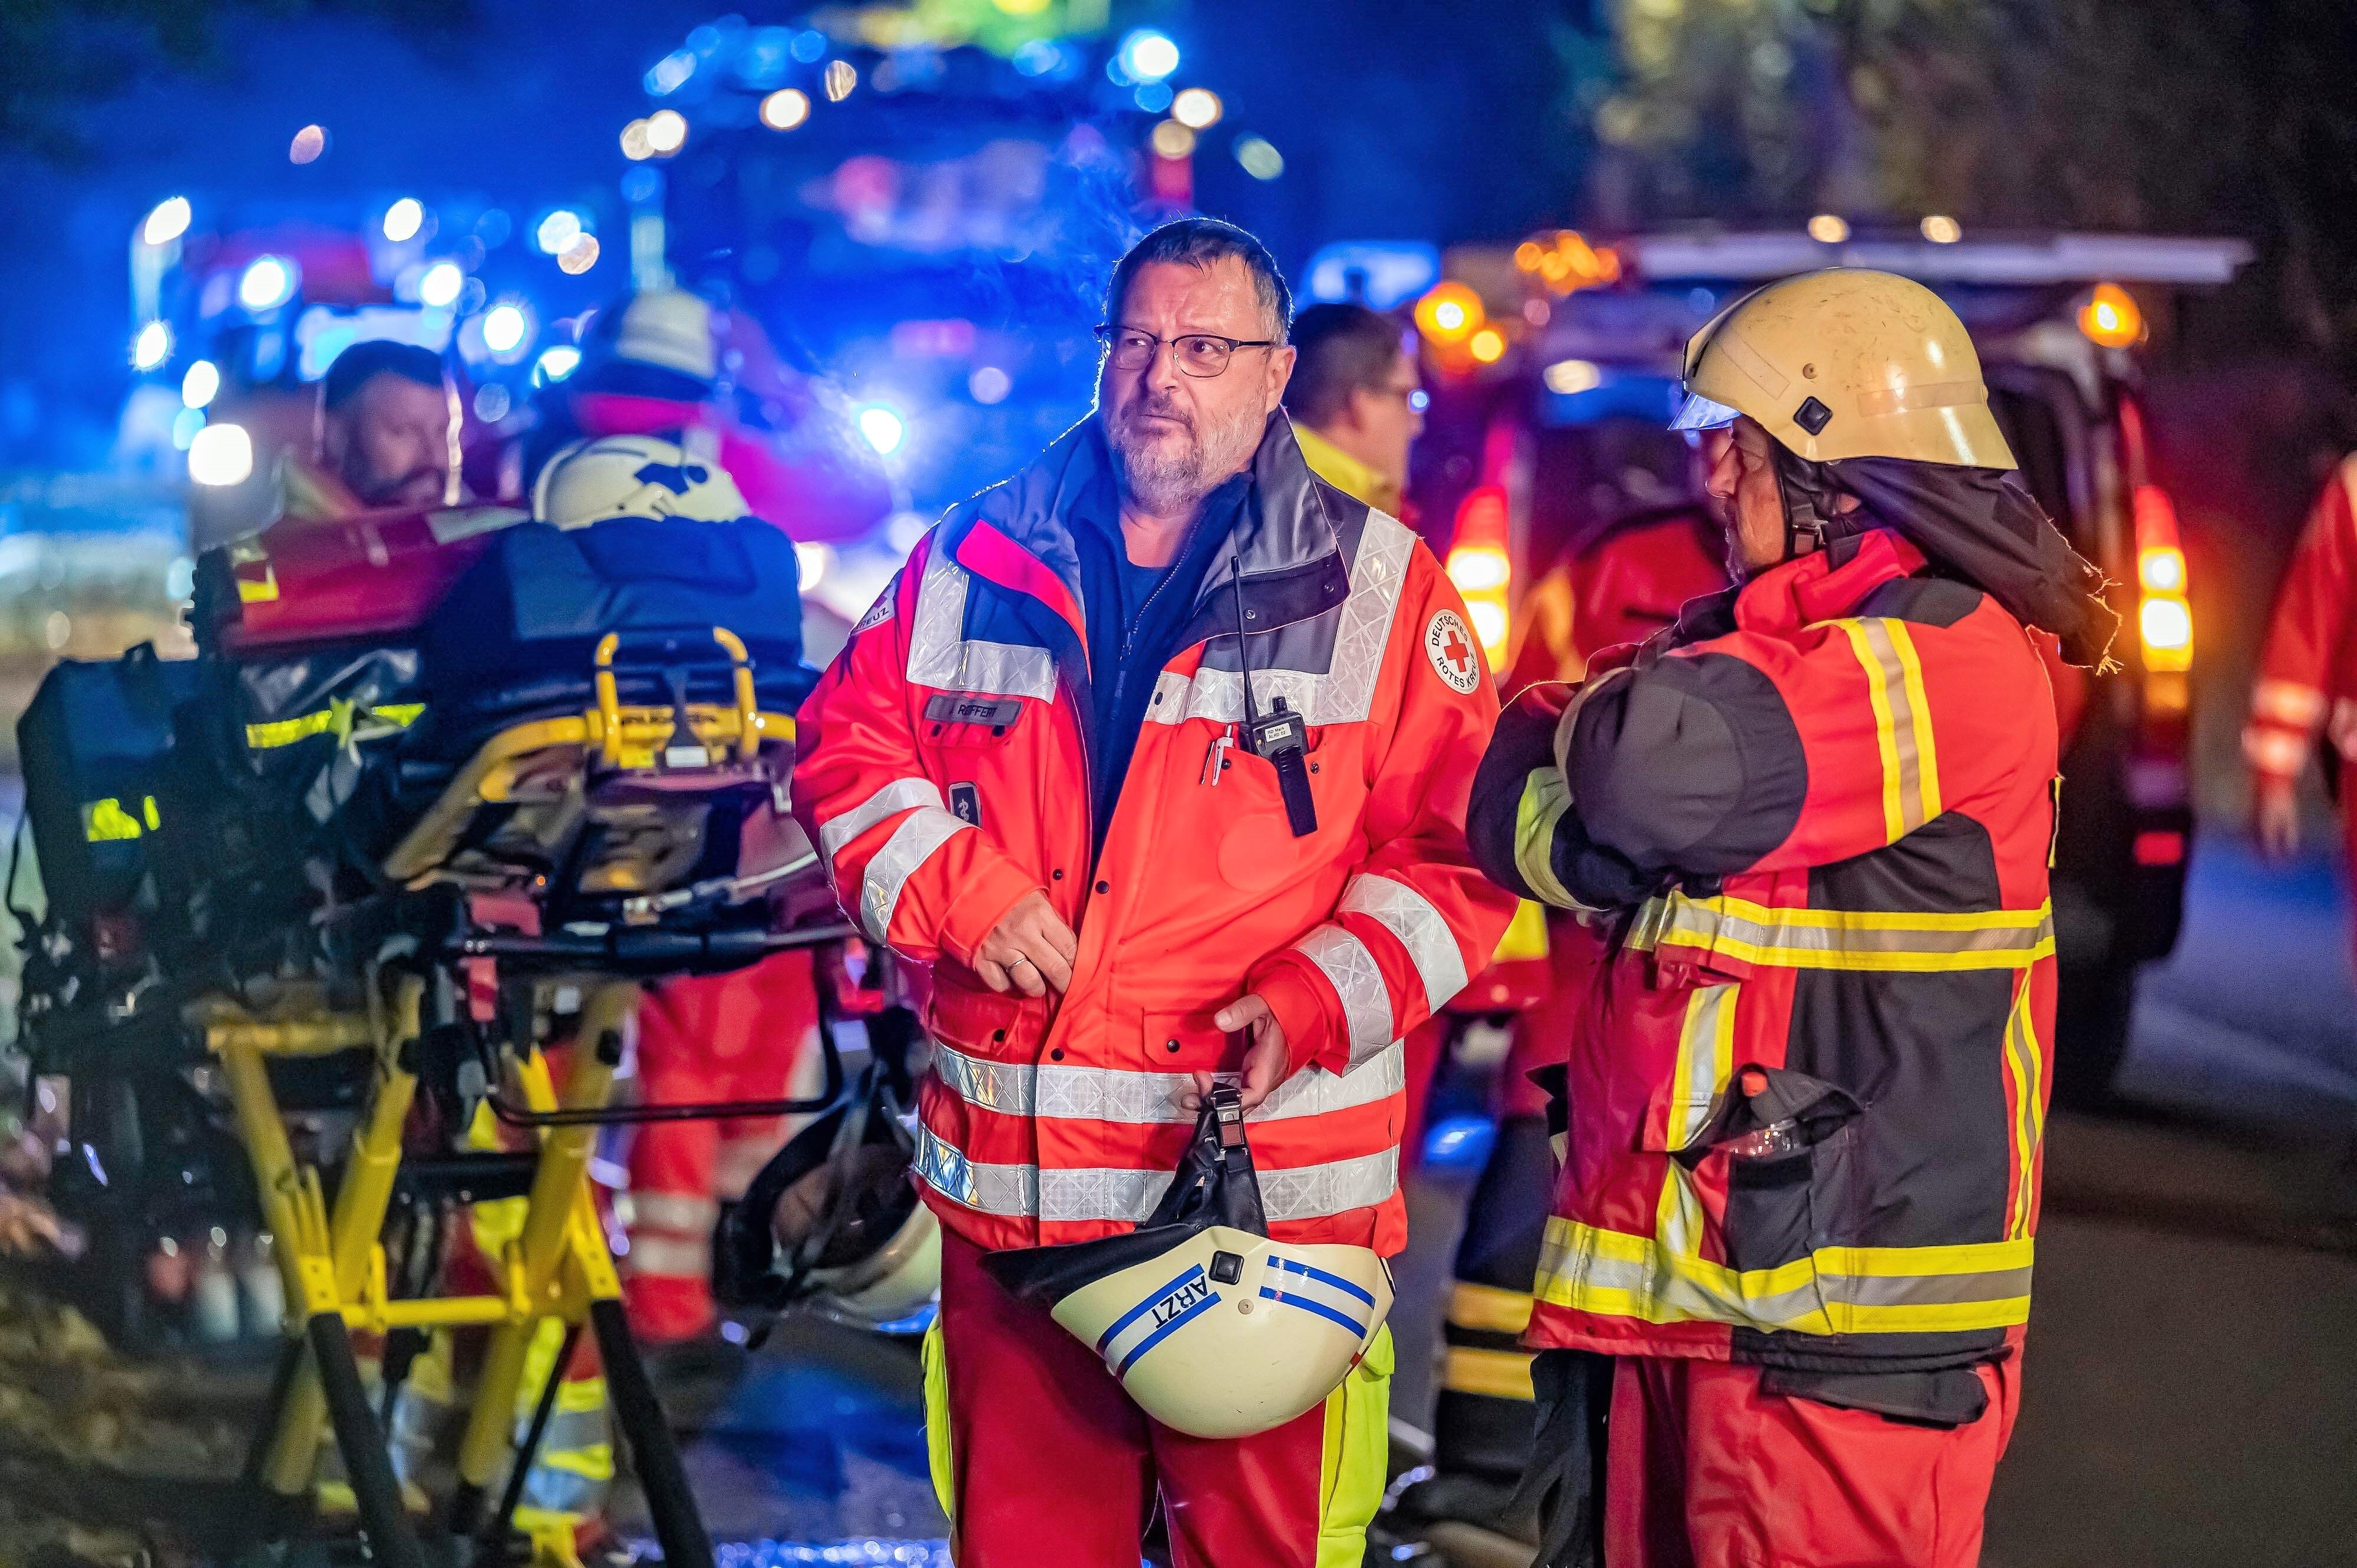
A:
(1159, 1335)
(1323, 1278)
(1358, 1330)
(1143, 1308)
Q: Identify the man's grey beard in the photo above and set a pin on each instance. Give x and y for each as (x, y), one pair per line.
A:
(1166, 479)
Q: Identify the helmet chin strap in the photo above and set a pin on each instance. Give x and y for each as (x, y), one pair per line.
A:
(1811, 501)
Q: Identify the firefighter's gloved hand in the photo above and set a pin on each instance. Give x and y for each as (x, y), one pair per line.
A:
(1030, 949)
(1267, 1061)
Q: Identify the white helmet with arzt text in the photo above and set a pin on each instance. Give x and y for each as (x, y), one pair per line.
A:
(1211, 1327)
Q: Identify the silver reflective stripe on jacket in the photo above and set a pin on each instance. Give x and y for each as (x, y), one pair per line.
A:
(1094, 1194)
(898, 796)
(1141, 1099)
(1358, 980)
(1409, 916)
(941, 655)
(911, 845)
(1345, 693)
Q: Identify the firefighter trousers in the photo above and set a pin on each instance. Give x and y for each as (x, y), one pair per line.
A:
(1042, 1461)
(1707, 1470)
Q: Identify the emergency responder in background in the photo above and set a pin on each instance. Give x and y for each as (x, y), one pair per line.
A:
(1800, 1180)
(383, 435)
(1634, 545)
(1034, 768)
(666, 363)
(1354, 399)
(2307, 670)
(651, 368)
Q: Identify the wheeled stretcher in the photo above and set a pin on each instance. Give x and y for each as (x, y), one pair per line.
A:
(408, 883)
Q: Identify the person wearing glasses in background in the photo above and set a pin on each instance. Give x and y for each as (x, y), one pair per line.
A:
(1034, 768)
(1357, 403)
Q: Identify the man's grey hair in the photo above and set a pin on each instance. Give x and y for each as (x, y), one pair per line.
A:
(1199, 242)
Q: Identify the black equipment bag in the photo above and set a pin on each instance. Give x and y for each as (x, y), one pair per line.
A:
(101, 766)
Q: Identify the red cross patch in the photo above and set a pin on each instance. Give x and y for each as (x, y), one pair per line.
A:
(1454, 658)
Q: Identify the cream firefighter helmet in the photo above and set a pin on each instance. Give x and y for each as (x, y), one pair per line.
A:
(1846, 364)
(669, 328)
(834, 1222)
(1211, 1327)
(1228, 1333)
(632, 476)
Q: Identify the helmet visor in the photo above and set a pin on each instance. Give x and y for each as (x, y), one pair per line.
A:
(1700, 413)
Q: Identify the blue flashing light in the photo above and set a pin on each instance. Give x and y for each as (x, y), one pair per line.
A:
(267, 282)
(1040, 58)
(1459, 1143)
(808, 46)
(670, 73)
(882, 428)
(1148, 56)
(1379, 274)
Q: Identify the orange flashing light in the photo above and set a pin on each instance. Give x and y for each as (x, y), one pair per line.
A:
(1482, 570)
(1488, 346)
(2111, 318)
(2164, 617)
(1566, 263)
(1450, 313)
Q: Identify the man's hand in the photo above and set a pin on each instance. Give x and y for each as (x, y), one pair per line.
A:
(1266, 1060)
(1030, 950)
(2276, 813)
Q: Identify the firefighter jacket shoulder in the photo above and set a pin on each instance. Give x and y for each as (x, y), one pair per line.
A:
(2307, 666)
(944, 775)
(1807, 1098)
(1621, 586)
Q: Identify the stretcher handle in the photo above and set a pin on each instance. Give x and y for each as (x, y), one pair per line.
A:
(741, 661)
(830, 1057)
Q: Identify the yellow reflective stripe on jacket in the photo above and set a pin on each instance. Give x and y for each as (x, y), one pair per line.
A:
(2025, 1062)
(1836, 1290)
(1353, 1468)
(107, 820)
(1526, 933)
(1847, 938)
(1902, 722)
(1486, 1309)
(1546, 797)
(1492, 1374)
(338, 717)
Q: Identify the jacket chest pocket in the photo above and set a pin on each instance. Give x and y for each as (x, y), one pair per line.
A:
(1788, 1142)
(1257, 847)
(1190, 1042)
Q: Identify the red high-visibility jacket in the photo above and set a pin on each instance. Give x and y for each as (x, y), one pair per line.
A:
(1822, 836)
(2307, 668)
(945, 774)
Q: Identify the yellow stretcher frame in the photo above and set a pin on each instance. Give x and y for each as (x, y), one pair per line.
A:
(559, 1265)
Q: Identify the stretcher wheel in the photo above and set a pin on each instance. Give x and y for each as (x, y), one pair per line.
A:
(392, 1544)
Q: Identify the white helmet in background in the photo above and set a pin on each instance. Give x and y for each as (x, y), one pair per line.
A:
(669, 328)
(834, 1223)
(632, 476)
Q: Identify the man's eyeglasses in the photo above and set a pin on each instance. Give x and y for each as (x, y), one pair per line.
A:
(1200, 354)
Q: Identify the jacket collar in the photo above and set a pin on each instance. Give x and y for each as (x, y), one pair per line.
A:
(1018, 535)
(1827, 583)
(1346, 473)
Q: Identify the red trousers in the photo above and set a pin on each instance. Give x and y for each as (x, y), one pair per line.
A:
(740, 1035)
(1050, 1464)
(1706, 1471)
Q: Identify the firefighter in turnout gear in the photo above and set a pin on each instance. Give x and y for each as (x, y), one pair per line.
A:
(1800, 1177)
(1157, 753)
(2307, 670)
(1622, 578)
